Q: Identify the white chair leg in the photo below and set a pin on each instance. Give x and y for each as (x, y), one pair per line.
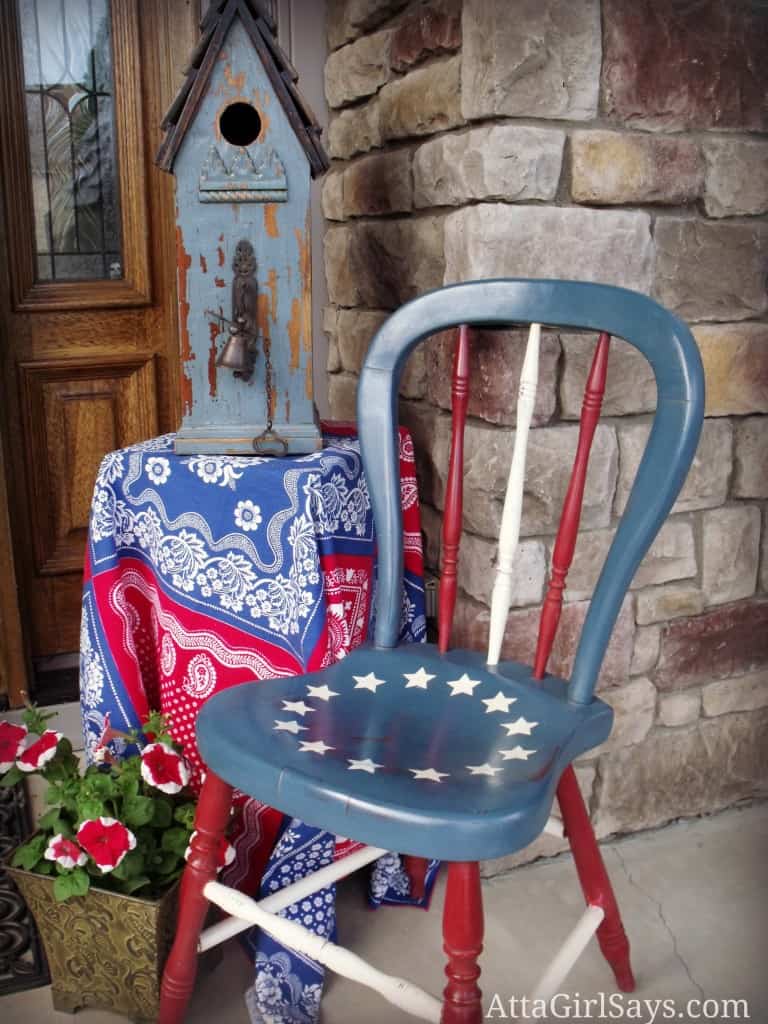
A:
(509, 534)
(554, 827)
(558, 970)
(397, 991)
(223, 930)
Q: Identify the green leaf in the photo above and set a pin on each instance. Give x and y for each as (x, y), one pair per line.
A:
(127, 783)
(185, 815)
(54, 795)
(157, 727)
(162, 814)
(102, 785)
(147, 839)
(176, 840)
(164, 863)
(27, 855)
(132, 885)
(11, 777)
(130, 866)
(90, 808)
(49, 820)
(45, 867)
(74, 883)
(138, 811)
(36, 720)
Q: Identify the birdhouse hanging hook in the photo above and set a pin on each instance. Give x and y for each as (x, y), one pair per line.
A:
(239, 353)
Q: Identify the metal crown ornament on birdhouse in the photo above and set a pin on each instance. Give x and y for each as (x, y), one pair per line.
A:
(242, 145)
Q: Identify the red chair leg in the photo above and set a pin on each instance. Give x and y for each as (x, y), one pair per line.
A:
(181, 966)
(463, 944)
(416, 869)
(594, 879)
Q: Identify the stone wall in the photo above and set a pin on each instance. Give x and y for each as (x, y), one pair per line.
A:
(606, 141)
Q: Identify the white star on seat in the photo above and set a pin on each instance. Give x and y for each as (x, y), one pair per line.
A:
(419, 679)
(482, 769)
(516, 754)
(498, 703)
(369, 682)
(315, 747)
(293, 727)
(521, 727)
(298, 707)
(428, 773)
(462, 685)
(323, 692)
(367, 765)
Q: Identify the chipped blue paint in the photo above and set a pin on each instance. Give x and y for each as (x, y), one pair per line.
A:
(222, 413)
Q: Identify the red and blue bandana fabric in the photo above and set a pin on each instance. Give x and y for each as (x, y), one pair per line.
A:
(206, 571)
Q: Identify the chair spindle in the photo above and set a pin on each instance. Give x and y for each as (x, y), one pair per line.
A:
(568, 529)
(454, 493)
(595, 883)
(509, 534)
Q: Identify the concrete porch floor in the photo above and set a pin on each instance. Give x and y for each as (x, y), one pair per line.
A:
(694, 898)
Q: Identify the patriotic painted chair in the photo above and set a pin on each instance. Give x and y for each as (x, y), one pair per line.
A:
(448, 753)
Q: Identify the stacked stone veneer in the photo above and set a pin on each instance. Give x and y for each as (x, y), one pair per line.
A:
(616, 142)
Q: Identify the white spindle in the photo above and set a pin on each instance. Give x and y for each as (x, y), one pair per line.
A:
(293, 893)
(400, 993)
(513, 500)
(568, 954)
(555, 827)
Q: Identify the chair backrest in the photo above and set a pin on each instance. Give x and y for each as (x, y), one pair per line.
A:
(662, 338)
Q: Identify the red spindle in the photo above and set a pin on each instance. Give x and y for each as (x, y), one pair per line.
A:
(463, 944)
(452, 516)
(595, 883)
(416, 869)
(565, 543)
(181, 966)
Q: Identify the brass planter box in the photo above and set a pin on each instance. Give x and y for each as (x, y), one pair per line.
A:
(104, 950)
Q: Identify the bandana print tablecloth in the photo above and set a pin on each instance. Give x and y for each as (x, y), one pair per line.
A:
(207, 571)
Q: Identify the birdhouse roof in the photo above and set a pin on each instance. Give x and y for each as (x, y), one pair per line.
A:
(261, 27)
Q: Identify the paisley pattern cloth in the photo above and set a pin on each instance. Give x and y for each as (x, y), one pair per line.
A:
(205, 571)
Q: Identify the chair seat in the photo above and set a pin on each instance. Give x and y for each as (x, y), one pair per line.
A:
(426, 754)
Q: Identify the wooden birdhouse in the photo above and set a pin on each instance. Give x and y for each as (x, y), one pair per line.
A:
(242, 145)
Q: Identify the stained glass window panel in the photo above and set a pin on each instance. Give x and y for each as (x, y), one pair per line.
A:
(67, 51)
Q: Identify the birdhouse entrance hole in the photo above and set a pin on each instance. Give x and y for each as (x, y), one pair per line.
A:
(240, 124)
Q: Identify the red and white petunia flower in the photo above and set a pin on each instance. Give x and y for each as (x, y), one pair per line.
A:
(225, 853)
(65, 852)
(40, 752)
(163, 768)
(11, 743)
(105, 840)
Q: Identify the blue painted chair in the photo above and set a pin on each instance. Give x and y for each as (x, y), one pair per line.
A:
(437, 755)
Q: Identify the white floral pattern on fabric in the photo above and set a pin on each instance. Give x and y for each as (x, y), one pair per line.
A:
(220, 469)
(158, 469)
(279, 995)
(91, 671)
(111, 468)
(389, 874)
(247, 515)
(334, 503)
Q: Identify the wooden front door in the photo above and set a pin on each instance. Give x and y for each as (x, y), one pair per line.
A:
(88, 334)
